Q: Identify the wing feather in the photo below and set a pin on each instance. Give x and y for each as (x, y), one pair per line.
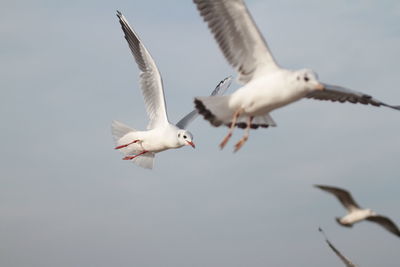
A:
(150, 78)
(237, 36)
(337, 93)
(386, 223)
(220, 89)
(343, 258)
(342, 195)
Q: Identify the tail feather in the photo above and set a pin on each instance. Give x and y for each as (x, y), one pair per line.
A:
(118, 130)
(263, 121)
(217, 111)
(145, 161)
(343, 224)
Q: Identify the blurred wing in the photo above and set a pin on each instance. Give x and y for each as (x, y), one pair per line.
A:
(385, 222)
(238, 37)
(150, 78)
(336, 93)
(220, 89)
(345, 260)
(344, 196)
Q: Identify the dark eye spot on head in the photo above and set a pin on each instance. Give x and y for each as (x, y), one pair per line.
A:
(306, 79)
(184, 136)
(298, 78)
(179, 135)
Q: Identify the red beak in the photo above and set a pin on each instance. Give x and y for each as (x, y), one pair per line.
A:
(191, 143)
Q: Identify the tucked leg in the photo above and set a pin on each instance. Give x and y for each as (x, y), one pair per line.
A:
(245, 135)
(122, 146)
(231, 128)
(134, 156)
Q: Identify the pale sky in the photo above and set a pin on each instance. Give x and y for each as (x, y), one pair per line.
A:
(67, 198)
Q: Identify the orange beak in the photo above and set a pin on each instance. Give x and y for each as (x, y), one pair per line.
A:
(320, 86)
(191, 144)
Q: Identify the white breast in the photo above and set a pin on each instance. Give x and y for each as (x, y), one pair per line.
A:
(160, 139)
(355, 216)
(266, 93)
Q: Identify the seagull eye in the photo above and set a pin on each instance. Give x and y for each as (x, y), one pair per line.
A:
(306, 79)
(184, 136)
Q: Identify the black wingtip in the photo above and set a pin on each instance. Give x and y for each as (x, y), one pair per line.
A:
(119, 14)
(390, 106)
(396, 107)
(207, 114)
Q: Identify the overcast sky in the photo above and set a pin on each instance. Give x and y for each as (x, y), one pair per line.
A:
(67, 198)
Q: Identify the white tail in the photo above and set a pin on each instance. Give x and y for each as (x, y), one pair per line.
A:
(145, 161)
(118, 130)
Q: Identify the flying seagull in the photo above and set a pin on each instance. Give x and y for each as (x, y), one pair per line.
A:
(140, 146)
(267, 86)
(356, 213)
(345, 260)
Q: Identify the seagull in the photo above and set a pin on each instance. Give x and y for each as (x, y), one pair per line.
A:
(357, 214)
(140, 146)
(345, 260)
(266, 86)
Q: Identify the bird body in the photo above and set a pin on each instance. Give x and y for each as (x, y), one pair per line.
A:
(154, 140)
(356, 213)
(140, 146)
(268, 92)
(355, 216)
(266, 86)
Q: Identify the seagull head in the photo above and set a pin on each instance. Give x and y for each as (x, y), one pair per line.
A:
(308, 80)
(185, 138)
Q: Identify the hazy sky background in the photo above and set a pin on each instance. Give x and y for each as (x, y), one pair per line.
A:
(67, 198)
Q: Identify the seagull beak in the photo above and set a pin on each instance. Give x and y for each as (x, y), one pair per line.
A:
(191, 144)
(320, 86)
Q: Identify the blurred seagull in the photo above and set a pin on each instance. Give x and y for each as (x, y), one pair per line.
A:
(357, 214)
(345, 260)
(141, 146)
(267, 86)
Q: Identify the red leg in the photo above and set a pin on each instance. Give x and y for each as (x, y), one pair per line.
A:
(245, 135)
(229, 135)
(122, 146)
(134, 156)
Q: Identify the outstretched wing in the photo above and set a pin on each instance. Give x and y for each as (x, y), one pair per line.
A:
(342, 195)
(385, 222)
(337, 93)
(220, 89)
(343, 258)
(150, 78)
(238, 37)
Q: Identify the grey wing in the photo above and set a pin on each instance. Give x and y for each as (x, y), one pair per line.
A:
(238, 37)
(337, 93)
(342, 195)
(220, 89)
(344, 259)
(150, 78)
(386, 223)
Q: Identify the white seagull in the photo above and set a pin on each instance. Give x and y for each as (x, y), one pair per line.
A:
(267, 86)
(343, 258)
(141, 146)
(357, 214)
